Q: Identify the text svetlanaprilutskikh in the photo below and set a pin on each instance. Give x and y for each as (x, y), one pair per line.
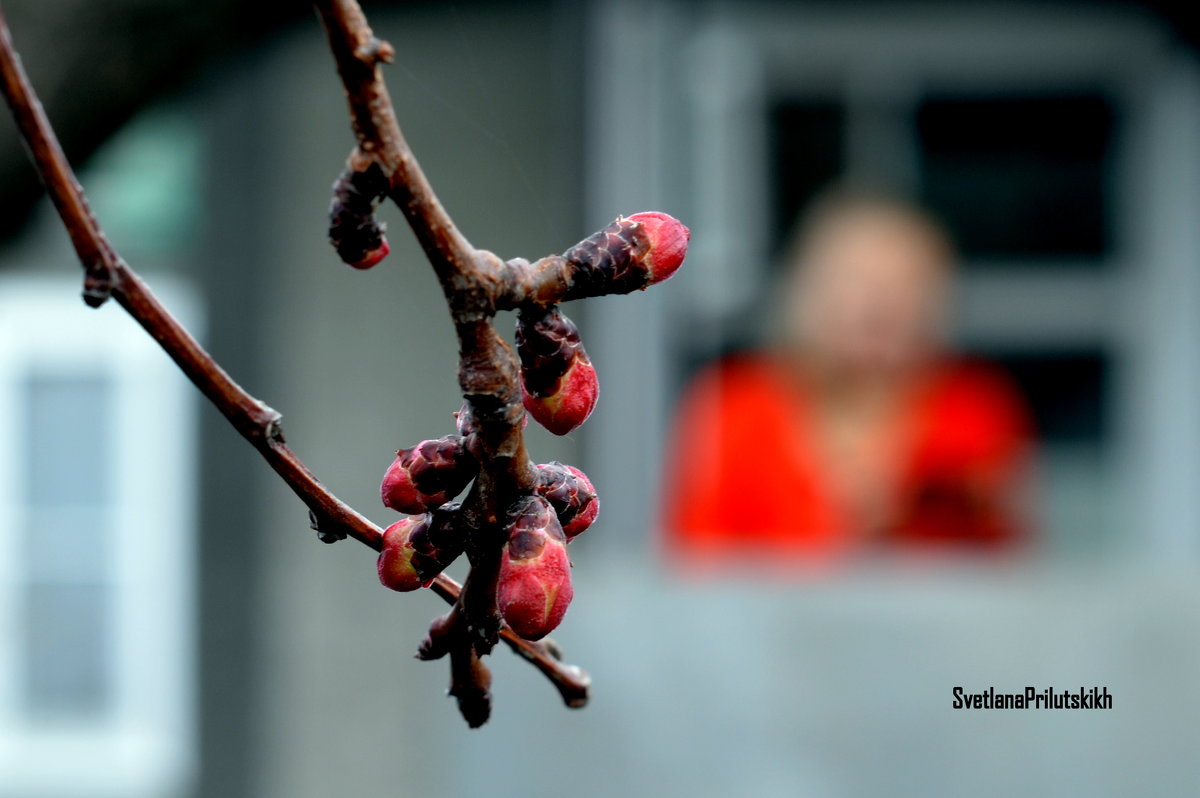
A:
(1034, 698)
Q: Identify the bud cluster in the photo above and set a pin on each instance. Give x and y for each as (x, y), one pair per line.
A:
(534, 583)
(558, 380)
(520, 569)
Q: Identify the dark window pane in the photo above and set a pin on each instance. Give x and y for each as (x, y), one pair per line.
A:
(67, 440)
(806, 141)
(1067, 391)
(66, 651)
(1019, 176)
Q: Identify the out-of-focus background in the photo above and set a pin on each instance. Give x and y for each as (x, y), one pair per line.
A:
(169, 626)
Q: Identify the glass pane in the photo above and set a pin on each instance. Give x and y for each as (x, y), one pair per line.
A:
(67, 440)
(1019, 176)
(68, 544)
(66, 618)
(67, 639)
(806, 155)
(1068, 391)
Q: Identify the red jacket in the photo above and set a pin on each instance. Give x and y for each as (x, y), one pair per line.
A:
(744, 473)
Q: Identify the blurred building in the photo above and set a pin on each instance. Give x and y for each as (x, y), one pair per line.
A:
(1062, 143)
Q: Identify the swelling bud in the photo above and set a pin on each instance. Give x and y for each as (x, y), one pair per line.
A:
(355, 233)
(631, 254)
(428, 475)
(559, 385)
(535, 573)
(395, 563)
(418, 548)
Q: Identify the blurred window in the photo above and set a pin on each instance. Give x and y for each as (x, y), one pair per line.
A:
(1022, 181)
(1054, 164)
(95, 539)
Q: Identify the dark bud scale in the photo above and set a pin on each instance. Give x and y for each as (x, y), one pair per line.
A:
(571, 494)
(428, 475)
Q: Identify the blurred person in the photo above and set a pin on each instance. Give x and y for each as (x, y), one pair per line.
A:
(857, 430)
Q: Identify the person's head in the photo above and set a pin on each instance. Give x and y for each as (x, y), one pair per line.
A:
(867, 286)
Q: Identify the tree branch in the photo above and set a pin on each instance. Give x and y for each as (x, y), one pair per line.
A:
(488, 369)
(512, 525)
(106, 273)
(630, 254)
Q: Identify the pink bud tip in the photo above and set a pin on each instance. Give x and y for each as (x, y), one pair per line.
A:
(374, 256)
(395, 563)
(668, 243)
(397, 489)
(567, 408)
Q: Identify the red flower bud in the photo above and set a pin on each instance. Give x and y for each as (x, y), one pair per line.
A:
(666, 243)
(571, 494)
(535, 574)
(427, 475)
(630, 254)
(395, 565)
(558, 381)
(418, 548)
